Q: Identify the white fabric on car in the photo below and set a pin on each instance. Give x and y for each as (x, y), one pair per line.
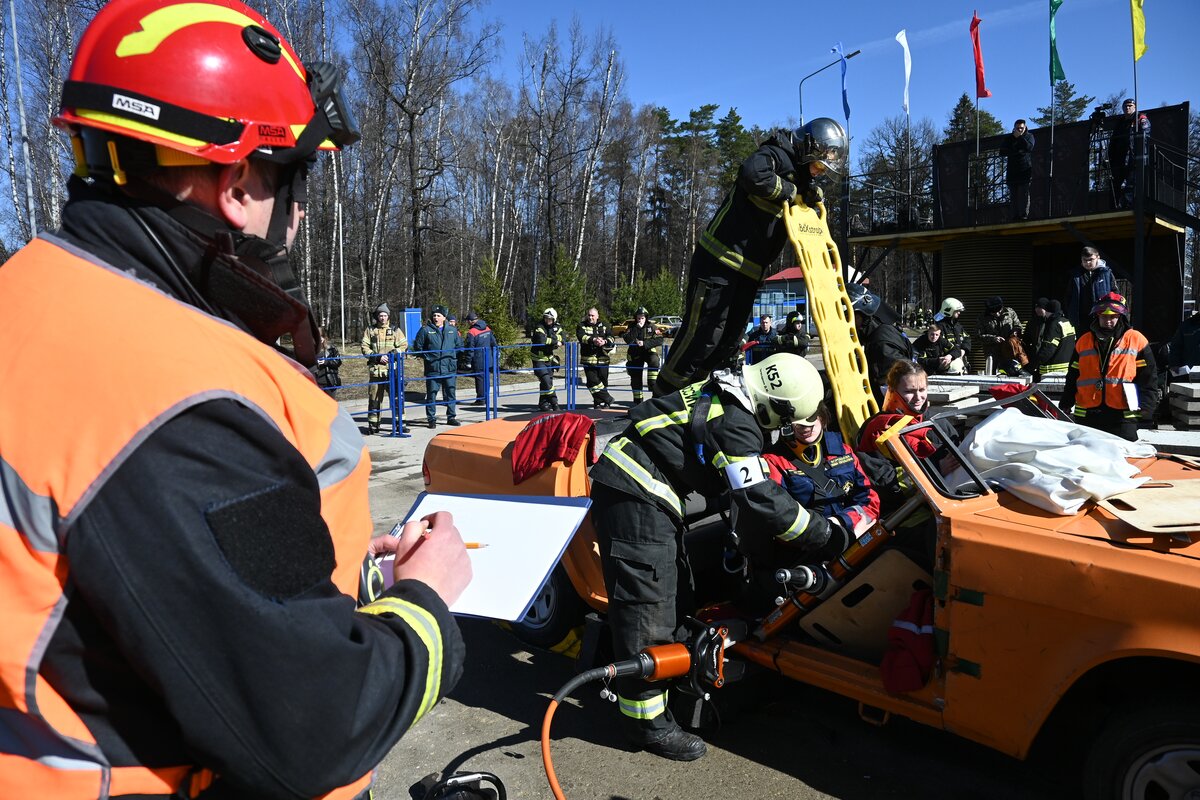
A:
(1056, 466)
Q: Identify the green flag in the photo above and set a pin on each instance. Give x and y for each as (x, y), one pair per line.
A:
(1056, 70)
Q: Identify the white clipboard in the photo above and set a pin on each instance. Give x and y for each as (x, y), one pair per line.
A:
(525, 538)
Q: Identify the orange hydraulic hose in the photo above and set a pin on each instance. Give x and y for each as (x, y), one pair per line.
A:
(554, 787)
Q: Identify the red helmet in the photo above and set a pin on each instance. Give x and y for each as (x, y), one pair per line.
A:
(211, 80)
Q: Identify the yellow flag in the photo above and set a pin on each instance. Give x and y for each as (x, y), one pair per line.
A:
(1139, 28)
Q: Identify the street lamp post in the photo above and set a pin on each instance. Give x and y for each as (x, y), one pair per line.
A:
(809, 75)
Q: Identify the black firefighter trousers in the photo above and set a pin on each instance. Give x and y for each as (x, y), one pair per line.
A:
(716, 310)
(650, 593)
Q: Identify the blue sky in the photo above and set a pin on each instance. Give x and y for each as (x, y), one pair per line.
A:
(753, 55)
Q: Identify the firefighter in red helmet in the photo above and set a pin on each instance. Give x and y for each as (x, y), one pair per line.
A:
(182, 554)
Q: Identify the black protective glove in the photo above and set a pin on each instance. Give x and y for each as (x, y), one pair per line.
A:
(825, 540)
(813, 195)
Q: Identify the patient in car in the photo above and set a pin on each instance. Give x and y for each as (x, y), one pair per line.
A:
(821, 471)
(907, 395)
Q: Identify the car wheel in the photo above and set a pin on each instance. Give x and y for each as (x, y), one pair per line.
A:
(1146, 752)
(555, 615)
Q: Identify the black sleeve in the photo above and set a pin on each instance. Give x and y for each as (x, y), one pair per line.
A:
(765, 508)
(1067, 400)
(206, 560)
(1146, 380)
(654, 340)
(759, 176)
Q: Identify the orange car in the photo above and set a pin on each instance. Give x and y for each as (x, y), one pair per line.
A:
(1079, 629)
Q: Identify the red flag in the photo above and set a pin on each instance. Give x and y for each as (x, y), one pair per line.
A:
(981, 89)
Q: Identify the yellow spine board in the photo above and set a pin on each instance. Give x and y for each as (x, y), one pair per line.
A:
(829, 308)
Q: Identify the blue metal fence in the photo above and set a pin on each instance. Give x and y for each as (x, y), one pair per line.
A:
(567, 378)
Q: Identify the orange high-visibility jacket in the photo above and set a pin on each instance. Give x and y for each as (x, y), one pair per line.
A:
(1100, 384)
(54, 457)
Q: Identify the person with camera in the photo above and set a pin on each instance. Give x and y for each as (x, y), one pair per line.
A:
(1018, 152)
(1126, 146)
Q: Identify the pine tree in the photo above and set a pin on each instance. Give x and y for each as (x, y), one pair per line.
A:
(961, 125)
(734, 144)
(1067, 106)
(565, 290)
(492, 306)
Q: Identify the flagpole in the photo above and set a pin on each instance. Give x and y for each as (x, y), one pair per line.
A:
(976, 124)
(1050, 183)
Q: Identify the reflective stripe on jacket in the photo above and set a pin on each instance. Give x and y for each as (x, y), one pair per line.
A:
(55, 457)
(1100, 383)
(658, 460)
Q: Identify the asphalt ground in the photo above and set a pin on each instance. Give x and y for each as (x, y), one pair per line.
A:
(776, 738)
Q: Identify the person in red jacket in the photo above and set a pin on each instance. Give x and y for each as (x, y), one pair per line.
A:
(907, 395)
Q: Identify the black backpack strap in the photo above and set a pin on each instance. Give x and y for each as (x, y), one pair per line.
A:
(698, 426)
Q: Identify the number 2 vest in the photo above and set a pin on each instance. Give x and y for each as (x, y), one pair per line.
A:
(55, 456)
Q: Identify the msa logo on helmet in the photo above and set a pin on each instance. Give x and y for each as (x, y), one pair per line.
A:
(276, 133)
(135, 106)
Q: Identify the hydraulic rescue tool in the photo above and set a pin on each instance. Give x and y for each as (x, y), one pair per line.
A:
(701, 659)
(809, 585)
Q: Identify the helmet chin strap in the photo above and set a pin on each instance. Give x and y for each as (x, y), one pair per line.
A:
(289, 192)
(245, 275)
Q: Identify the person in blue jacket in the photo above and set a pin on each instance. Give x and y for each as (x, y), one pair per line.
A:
(479, 340)
(437, 344)
(1092, 281)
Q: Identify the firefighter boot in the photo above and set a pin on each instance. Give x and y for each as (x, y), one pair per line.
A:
(677, 745)
(544, 404)
(554, 403)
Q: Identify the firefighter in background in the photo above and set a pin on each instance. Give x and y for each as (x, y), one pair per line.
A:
(382, 345)
(743, 238)
(1112, 379)
(793, 339)
(546, 337)
(596, 341)
(180, 561)
(706, 438)
(643, 360)
(1055, 342)
(882, 344)
(950, 318)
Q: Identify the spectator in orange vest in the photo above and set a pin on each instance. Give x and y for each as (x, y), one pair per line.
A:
(1111, 380)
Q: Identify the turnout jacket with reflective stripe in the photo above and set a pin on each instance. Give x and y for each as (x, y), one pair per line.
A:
(747, 232)
(1101, 368)
(1055, 344)
(177, 543)
(589, 352)
(658, 459)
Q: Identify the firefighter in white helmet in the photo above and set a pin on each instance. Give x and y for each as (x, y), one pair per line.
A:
(706, 438)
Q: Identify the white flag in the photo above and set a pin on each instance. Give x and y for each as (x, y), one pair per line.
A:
(902, 38)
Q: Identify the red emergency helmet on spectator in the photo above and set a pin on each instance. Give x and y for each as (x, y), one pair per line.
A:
(1111, 303)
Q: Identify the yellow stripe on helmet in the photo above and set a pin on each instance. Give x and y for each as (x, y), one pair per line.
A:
(158, 25)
